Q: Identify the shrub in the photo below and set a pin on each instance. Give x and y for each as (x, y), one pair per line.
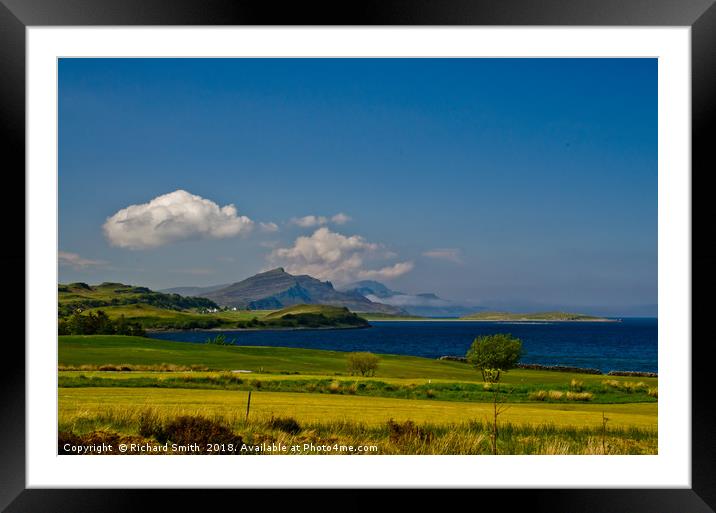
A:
(430, 393)
(611, 383)
(576, 385)
(334, 387)
(150, 426)
(626, 386)
(539, 395)
(580, 396)
(286, 424)
(653, 392)
(220, 340)
(555, 395)
(186, 430)
(362, 363)
(407, 431)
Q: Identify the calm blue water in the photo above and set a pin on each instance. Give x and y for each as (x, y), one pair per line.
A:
(627, 345)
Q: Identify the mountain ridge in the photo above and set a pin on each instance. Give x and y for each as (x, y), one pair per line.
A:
(276, 289)
(426, 304)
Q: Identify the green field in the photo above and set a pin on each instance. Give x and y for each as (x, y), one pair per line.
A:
(443, 400)
(76, 350)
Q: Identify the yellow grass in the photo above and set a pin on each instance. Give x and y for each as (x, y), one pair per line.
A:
(321, 407)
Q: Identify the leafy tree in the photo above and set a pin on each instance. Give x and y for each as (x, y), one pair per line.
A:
(364, 363)
(491, 355)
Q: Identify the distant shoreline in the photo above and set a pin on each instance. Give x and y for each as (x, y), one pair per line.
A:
(278, 328)
(504, 321)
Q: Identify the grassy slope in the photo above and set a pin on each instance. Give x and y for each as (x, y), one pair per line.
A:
(326, 310)
(307, 315)
(114, 349)
(149, 314)
(325, 408)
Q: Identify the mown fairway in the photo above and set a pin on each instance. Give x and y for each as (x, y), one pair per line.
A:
(110, 349)
(78, 350)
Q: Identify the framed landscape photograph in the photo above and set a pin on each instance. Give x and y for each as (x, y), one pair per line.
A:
(441, 249)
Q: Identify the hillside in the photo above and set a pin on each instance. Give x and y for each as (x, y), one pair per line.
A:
(81, 296)
(315, 316)
(537, 316)
(301, 316)
(278, 289)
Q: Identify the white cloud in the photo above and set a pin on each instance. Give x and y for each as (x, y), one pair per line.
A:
(74, 260)
(172, 217)
(386, 273)
(450, 254)
(340, 218)
(313, 221)
(309, 221)
(332, 256)
(411, 300)
(268, 227)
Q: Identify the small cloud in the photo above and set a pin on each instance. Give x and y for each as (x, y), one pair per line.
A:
(328, 255)
(313, 221)
(387, 273)
(308, 221)
(340, 218)
(76, 261)
(172, 217)
(449, 254)
(268, 227)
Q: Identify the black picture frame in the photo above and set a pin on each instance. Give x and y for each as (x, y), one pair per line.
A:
(700, 15)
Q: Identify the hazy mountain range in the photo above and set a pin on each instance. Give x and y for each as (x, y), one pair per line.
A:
(426, 304)
(278, 289)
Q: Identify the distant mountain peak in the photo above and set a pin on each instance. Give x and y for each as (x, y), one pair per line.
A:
(276, 288)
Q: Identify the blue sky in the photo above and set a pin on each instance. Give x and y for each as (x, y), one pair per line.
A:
(513, 183)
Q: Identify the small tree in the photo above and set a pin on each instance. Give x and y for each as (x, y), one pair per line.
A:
(364, 364)
(492, 355)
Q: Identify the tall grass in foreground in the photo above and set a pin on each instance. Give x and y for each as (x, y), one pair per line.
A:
(469, 437)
